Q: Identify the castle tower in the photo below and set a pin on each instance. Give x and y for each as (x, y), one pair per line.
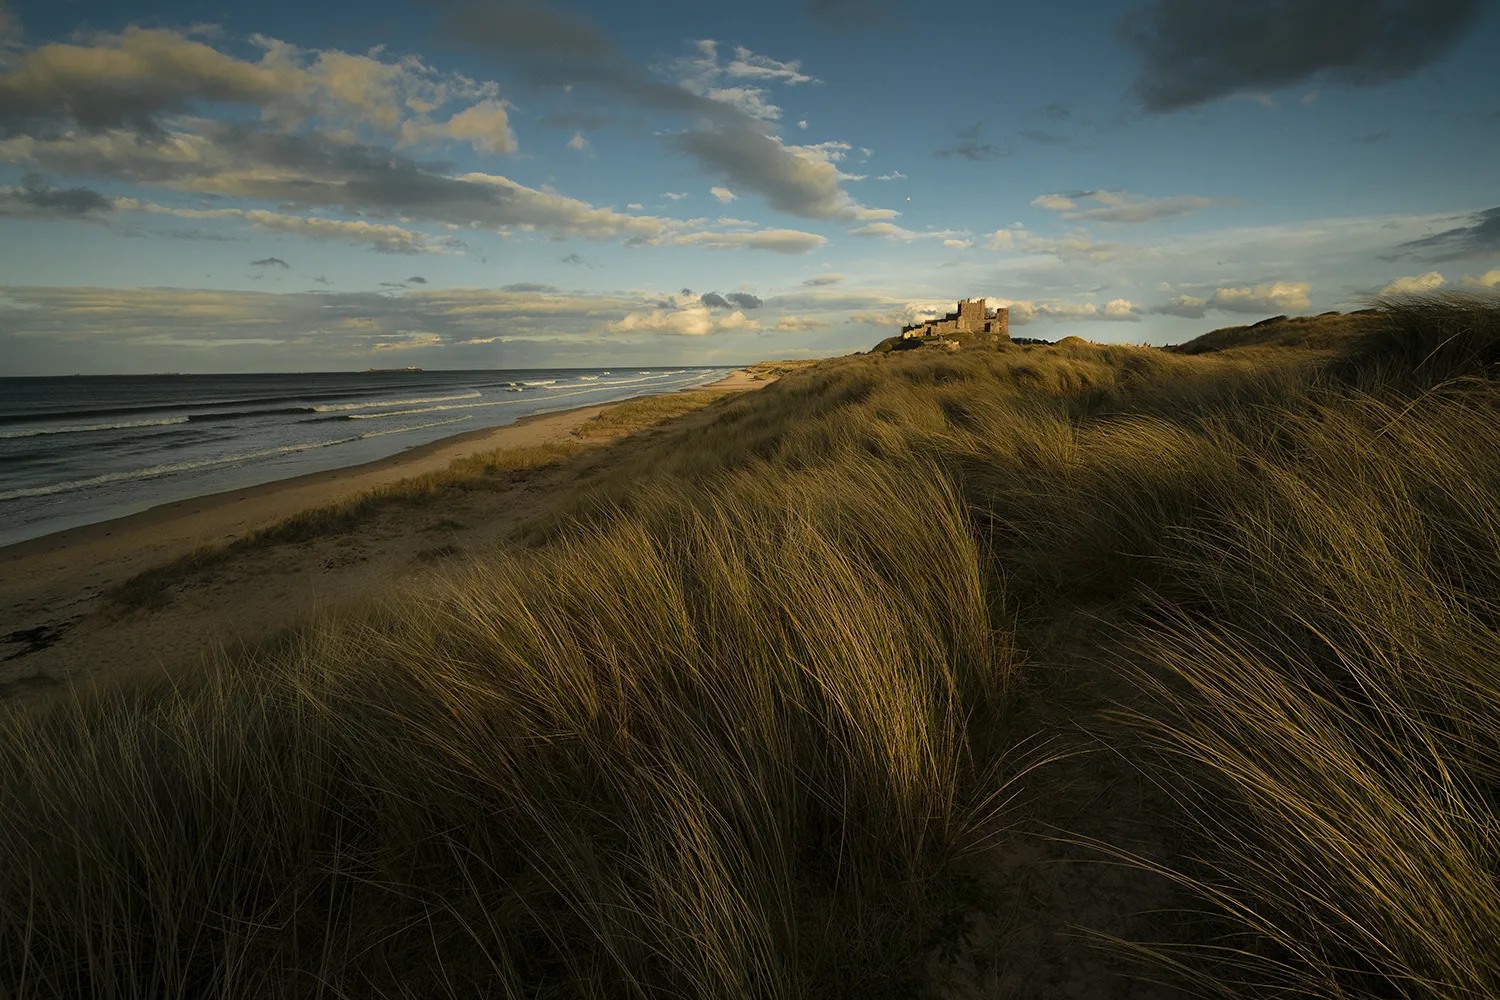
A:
(971, 316)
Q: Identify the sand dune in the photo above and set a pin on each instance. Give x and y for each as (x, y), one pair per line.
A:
(59, 627)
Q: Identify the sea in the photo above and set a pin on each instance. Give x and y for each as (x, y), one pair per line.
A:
(80, 449)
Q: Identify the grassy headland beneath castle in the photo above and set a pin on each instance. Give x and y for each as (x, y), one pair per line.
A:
(805, 697)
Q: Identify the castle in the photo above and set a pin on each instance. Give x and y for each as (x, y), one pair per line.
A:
(971, 317)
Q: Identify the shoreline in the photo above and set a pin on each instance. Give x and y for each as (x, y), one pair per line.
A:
(58, 627)
(404, 461)
(409, 462)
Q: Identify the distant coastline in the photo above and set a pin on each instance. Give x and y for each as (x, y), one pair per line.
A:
(94, 449)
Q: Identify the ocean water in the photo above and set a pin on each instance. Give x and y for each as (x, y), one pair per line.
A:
(76, 450)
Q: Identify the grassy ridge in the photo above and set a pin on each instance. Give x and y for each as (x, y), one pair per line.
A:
(684, 756)
(1326, 331)
(721, 729)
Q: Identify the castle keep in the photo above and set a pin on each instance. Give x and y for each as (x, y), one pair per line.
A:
(971, 317)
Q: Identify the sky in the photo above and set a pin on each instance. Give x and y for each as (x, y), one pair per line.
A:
(288, 186)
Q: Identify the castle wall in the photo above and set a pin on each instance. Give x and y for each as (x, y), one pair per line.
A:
(999, 325)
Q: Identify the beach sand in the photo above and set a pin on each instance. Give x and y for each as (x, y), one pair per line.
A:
(57, 626)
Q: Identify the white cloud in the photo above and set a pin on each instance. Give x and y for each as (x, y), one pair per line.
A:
(675, 195)
(905, 313)
(580, 143)
(132, 79)
(823, 152)
(1490, 279)
(1429, 282)
(748, 64)
(485, 126)
(1281, 295)
(1262, 298)
(1056, 202)
(724, 195)
(704, 75)
(1066, 310)
(786, 241)
(1077, 247)
(529, 208)
(958, 244)
(1023, 311)
(894, 175)
(891, 231)
(802, 123)
(798, 180)
(413, 341)
(801, 324)
(1191, 306)
(112, 79)
(1119, 206)
(636, 206)
(882, 229)
(692, 321)
(382, 237)
(747, 100)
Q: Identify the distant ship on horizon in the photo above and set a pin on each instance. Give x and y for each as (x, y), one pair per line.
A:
(369, 371)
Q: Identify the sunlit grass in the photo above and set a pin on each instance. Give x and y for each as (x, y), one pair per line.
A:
(479, 470)
(722, 727)
(721, 749)
(648, 411)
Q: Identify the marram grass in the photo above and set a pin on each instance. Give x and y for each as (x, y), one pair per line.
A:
(720, 749)
(722, 725)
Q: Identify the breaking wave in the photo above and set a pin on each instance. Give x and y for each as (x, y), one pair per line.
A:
(83, 428)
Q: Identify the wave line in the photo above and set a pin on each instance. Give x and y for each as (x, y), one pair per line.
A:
(161, 470)
(80, 429)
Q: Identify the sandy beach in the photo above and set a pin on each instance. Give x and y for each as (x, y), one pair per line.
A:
(57, 626)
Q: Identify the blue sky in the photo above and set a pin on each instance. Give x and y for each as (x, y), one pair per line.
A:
(294, 186)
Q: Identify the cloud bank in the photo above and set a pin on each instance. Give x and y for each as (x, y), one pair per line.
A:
(1276, 297)
(1194, 51)
(1120, 206)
